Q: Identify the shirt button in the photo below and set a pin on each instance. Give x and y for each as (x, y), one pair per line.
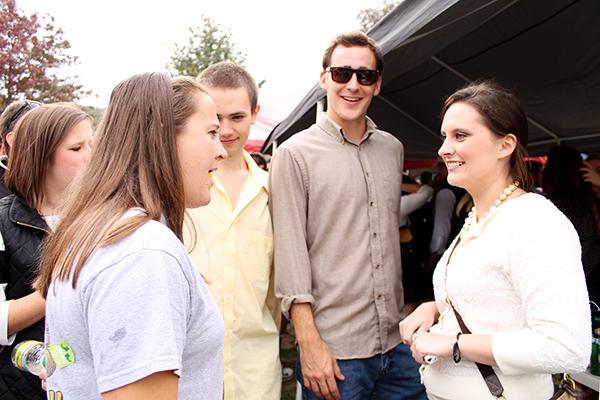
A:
(379, 297)
(377, 266)
(371, 204)
(374, 234)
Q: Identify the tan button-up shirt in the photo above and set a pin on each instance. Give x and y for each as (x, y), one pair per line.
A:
(335, 209)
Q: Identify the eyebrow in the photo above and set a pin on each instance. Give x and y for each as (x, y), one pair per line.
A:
(233, 114)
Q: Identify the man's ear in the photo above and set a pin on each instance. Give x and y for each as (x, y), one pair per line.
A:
(377, 86)
(255, 113)
(323, 80)
(508, 145)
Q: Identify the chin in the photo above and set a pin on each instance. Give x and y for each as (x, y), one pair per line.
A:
(198, 201)
(455, 181)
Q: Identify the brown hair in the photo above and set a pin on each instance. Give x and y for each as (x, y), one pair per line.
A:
(354, 39)
(229, 75)
(10, 116)
(503, 114)
(134, 164)
(37, 135)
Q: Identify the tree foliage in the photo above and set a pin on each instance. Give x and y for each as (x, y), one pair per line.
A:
(368, 17)
(208, 43)
(32, 50)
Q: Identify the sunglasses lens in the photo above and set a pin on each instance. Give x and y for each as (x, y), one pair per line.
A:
(366, 76)
(340, 74)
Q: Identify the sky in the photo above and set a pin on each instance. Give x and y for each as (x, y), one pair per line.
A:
(283, 40)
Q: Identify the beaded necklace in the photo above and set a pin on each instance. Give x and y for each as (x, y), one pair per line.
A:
(471, 218)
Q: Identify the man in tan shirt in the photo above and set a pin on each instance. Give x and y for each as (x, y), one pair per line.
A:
(334, 197)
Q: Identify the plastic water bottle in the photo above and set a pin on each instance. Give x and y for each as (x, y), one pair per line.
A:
(31, 356)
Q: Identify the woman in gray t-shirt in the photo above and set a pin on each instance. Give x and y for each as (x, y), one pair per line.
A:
(127, 315)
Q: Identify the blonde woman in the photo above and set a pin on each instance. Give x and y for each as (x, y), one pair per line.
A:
(122, 294)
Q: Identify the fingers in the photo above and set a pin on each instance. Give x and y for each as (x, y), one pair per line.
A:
(324, 387)
(337, 371)
(332, 388)
(42, 377)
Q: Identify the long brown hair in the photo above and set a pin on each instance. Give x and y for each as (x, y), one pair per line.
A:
(503, 114)
(134, 164)
(37, 135)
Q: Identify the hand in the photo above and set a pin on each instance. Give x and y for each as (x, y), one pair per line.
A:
(424, 344)
(320, 369)
(42, 377)
(418, 321)
(589, 174)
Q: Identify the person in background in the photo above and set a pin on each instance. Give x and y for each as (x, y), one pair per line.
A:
(564, 185)
(121, 292)
(335, 202)
(50, 147)
(414, 223)
(235, 243)
(500, 287)
(260, 160)
(8, 120)
(444, 219)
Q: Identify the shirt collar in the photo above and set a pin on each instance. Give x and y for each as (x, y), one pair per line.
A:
(256, 173)
(336, 132)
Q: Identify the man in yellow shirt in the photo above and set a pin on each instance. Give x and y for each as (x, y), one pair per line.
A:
(234, 244)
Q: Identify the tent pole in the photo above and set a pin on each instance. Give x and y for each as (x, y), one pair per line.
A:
(532, 121)
(407, 115)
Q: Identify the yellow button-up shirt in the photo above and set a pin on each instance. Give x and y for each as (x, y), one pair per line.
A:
(234, 253)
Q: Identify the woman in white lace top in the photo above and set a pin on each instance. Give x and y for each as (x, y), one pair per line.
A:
(513, 274)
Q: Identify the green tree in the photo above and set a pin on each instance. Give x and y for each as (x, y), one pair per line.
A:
(32, 50)
(368, 17)
(208, 43)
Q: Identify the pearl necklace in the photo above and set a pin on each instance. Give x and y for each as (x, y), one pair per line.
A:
(471, 218)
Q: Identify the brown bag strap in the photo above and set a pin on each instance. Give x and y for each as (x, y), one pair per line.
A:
(487, 372)
(489, 375)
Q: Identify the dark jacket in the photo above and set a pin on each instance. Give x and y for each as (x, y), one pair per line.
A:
(23, 230)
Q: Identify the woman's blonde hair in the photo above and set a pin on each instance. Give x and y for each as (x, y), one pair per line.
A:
(134, 164)
(36, 137)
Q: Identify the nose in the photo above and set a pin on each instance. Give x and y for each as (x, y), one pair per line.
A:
(445, 148)
(224, 126)
(353, 82)
(220, 152)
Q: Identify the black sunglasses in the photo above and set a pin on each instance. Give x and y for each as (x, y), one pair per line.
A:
(365, 77)
(27, 105)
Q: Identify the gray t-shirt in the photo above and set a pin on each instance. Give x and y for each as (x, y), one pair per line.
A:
(139, 307)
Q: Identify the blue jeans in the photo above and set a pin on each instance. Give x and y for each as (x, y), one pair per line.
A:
(393, 375)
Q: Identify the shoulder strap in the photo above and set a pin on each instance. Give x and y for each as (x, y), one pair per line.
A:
(487, 372)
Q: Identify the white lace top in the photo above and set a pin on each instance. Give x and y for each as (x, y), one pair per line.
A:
(518, 277)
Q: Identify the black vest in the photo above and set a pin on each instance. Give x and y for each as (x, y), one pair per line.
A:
(23, 230)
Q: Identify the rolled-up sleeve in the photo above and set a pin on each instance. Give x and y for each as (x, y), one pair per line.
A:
(5, 340)
(288, 183)
(546, 271)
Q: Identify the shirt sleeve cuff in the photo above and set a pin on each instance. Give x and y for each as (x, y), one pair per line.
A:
(512, 353)
(5, 340)
(287, 301)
